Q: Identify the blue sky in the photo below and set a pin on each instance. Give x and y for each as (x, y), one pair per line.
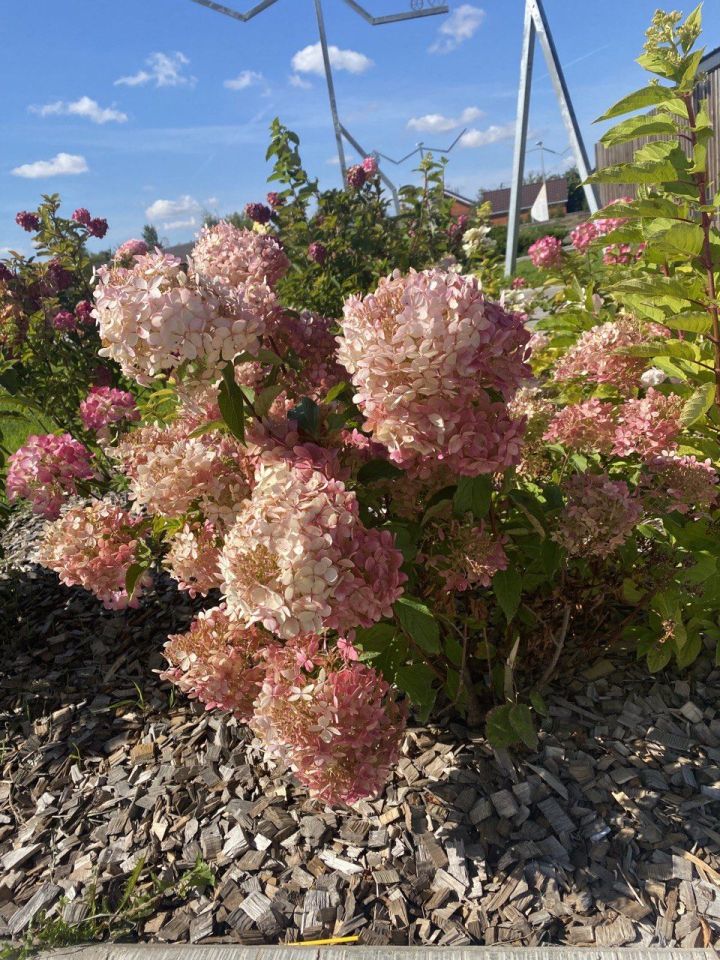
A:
(155, 110)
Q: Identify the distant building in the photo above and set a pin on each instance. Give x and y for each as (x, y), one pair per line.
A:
(499, 200)
(708, 89)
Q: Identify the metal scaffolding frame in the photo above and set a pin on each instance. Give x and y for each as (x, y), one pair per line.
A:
(434, 7)
(536, 26)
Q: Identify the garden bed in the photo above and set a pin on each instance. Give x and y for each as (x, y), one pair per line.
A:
(605, 836)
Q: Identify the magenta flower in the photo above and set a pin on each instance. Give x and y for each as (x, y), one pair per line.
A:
(98, 227)
(648, 425)
(28, 221)
(275, 200)
(64, 320)
(546, 252)
(84, 312)
(370, 166)
(583, 235)
(587, 427)
(258, 212)
(127, 251)
(82, 216)
(356, 176)
(317, 252)
(46, 470)
(105, 406)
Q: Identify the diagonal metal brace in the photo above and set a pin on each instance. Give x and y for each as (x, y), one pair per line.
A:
(395, 17)
(236, 14)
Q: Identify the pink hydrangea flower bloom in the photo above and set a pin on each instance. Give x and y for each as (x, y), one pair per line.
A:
(468, 556)
(171, 472)
(193, 558)
(546, 252)
(153, 317)
(356, 176)
(219, 662)
(308, 337)
(94, 547)
(370, 166)
(648, 425)
(237, 257)
(595, 355)
(682, 483)
(64, 320)
(621, 254)
(588, 426)
(82, 216)
(334, 721)
(423, 352)
(600, 514)
(127, 251)
(299, 560)
(46, 470)
(84, 312)
(583, 235)
(105, 406)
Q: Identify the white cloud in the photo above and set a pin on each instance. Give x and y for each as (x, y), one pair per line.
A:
(310, 60)
(180, 224)
(295, 80)
(248, 78)
(164, 70)
(461, 25)
(84, 107)
(163, 211)
(438, 123)
(62, 164)
(493, 134)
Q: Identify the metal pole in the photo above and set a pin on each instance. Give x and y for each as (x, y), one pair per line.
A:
(521, 128)
(331, 90)
(561, 91)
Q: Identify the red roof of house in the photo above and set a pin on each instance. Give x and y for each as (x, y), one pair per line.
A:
(499, 200)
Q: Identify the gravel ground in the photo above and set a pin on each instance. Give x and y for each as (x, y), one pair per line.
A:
(605, 836)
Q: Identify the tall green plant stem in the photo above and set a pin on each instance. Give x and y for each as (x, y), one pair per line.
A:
(700, 178)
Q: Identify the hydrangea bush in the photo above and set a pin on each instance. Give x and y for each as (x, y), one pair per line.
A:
(396, 486)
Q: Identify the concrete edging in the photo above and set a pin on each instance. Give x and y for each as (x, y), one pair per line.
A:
(159, 951)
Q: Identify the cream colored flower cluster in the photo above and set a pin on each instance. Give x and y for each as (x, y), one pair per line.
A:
(94, 547)
(172, 472)
(434, 363)
(237, 257)
(299, 560)
(154, 318)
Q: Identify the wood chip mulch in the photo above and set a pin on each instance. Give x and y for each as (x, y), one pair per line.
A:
(607, 836)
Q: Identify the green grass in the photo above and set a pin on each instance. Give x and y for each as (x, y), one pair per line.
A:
(16, 425)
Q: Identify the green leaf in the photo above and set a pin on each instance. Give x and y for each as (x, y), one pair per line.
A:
(690, 321)
(307, 415)
(536, 699)
(521, 720)
(334, 392)
(645, 97)
(265, 399)
(208, 427)
(637, 127)
(232, 403)
(417, 681)
(133, 574)
(679, 240)
(698, 405)
(507, 587)
(659, 657)
(419, 623)
(473, 495)
(689, 652)
(378, 470)
(498, 728)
